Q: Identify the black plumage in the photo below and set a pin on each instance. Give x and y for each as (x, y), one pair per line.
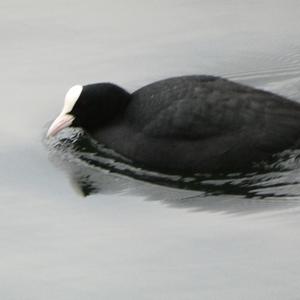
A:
(190, 123)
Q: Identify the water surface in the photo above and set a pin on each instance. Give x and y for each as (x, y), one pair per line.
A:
(135, 240)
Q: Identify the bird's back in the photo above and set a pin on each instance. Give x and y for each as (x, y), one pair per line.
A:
(198, 107)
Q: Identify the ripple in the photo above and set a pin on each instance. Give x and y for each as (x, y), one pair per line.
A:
(263, 70)
(95, 169)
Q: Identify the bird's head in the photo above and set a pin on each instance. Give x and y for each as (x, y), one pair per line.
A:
(90, 107)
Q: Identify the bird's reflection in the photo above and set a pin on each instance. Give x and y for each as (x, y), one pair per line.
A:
(95, 169)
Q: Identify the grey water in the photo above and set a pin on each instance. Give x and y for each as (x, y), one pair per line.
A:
(134, 239)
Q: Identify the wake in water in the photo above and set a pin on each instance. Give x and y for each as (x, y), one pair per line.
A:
(84, 159)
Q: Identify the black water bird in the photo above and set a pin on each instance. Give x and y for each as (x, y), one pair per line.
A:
(185, 124)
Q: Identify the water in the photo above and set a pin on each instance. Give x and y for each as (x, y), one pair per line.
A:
(135, 240)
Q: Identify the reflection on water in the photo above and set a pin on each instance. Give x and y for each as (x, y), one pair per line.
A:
(96, 169)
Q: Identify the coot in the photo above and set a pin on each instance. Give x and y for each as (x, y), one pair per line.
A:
(185, 124)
